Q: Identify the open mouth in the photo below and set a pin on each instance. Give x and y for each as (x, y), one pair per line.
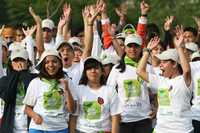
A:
(66, 59)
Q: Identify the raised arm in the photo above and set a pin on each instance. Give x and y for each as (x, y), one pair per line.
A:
(39, 34)
(88, 19)
(141, 69)
(178, 42)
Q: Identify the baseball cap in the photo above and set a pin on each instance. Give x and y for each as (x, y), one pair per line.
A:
(129, 28)
(19, 53)
(45, 54)
(133, 38)
(48, 23)
(191, 46)
(73, 40)
(109, 59)
(64, 43)
(169, 54)
(16, 45)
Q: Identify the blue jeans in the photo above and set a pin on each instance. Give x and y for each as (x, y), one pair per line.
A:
(42, 131)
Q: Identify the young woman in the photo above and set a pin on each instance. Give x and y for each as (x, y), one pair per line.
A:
(173, 87)
(99, 106)
(131, 89)
(13, 88)
(48, 99)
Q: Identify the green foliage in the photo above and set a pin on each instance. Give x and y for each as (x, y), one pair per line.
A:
(16, 11)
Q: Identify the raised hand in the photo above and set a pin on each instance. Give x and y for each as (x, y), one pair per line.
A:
(64, 82)
(178, 39)
(29, 31)
(144, 7)
(67, 11)
(153, 43)
(168, 23)
(197, 20)
(121, 11)
(35, 17)
(1, 29)
(62, 22)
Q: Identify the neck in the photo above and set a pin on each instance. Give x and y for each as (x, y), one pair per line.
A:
(94, 85)
(175, 74)
(67, 65)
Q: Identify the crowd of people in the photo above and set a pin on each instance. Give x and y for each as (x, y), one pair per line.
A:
(108, 78)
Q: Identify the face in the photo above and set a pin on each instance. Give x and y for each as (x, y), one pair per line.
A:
(19, 64)
(9, 38)
(52, 65)
(167, 67)
(94, 74)
(133, 51)
(77, 56)
(47, 35)
(189, 37)
(157, 50)
(67, 55)
(19, 36)
(81, 37)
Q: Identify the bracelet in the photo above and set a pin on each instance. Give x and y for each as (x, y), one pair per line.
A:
(147, 50)
(144, 15)
(89, 24)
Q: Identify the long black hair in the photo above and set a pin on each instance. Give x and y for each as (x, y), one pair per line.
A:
(91, 63)
(122, 65)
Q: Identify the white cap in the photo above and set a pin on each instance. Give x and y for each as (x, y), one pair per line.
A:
(16, 45)
(195, 55)
(133, 38)
(191, 46)
(92, 57)
(169, 54)
(45, 54)
(64, 42)
(48, 23)
(74, 40)
(109, 58)
(19, 53)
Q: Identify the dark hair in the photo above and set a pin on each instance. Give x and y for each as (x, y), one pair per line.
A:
(65, 44)
(191, 29)
(43, 73)
(152, 31)
(91, 63)
(122, 65)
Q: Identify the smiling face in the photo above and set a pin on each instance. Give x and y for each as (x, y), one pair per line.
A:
(133, 51)
(52, 65)
(67, 55)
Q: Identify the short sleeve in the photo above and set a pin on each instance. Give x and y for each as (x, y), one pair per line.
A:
(115, 103)
(31, 94)
(112, 77)
(154, 81)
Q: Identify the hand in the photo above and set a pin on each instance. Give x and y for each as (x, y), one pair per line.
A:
(1, 29)
(64, 82)
(152, 114)
(62, 22)
(19, 66)
(121, 12)
(178, 39)
(67, 11)
(103, 4)
(29, 31)
(35, 17)
(37, 119)
(144, 7)
(168, 23)
(197, 20)
(153, 43)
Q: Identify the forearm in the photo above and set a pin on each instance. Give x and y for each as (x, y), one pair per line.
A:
(115, 123)
(29, 111)
(116, 46)
(39, 39)
(66, 32)
(72, 123)
(141, 69)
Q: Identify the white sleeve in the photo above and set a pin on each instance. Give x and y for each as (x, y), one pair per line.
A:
(115, 103)
(31, 94)
(97, 45)
(73, 89)
(112, 81)
(1, 62)
(154, 81)
(30, 43)
(59, 39)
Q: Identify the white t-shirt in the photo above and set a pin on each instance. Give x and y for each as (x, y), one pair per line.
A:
(174, 114)
(75, 72)
(50, 105)
(96, 108)
(195, 70)
(133, 93)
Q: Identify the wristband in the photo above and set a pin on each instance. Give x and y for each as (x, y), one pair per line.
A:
(147, 50)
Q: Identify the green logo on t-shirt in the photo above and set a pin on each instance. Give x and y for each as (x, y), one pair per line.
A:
(163, 97)
(20, 93)
(92, 110)
(198, 87)
(132, 88)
